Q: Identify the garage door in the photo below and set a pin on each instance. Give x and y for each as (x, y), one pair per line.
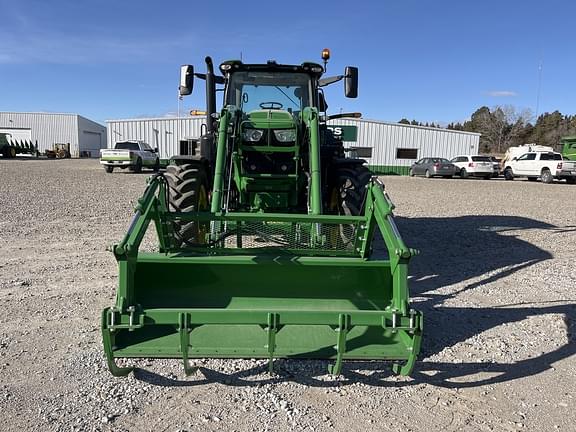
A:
(18, 134)
(90, 144)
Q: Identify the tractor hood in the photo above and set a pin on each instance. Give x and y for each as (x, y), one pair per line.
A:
(270, 119)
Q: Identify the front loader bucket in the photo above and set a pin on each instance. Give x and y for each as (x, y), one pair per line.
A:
(276, 286)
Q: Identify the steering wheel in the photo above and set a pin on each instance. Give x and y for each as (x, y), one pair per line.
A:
(271, 105)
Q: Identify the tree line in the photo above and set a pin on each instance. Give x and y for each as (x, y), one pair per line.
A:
(506, 126)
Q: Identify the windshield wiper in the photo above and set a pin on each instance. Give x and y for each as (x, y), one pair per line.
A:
(284, 93)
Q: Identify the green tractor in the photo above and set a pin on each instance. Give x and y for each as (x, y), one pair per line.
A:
(265, 237)
(9, 148)
(568, 147)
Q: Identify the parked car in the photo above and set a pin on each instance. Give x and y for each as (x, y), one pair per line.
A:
(473, 166)
(432, 167)
(496, 165)
(546, 165)
(130, 154)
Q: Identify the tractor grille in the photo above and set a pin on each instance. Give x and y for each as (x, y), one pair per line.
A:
(313, 238)
(299, 236)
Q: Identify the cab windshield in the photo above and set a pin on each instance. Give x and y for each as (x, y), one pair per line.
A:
(256, 90)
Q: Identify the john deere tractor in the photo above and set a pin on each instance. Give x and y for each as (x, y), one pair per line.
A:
(9, 147)
(264, 237)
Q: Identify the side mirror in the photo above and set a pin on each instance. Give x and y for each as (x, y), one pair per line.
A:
(515, 159)
(186, 80)
(351, 82)
(156, 150)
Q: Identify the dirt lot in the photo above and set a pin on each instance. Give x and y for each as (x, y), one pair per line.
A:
(495, 279)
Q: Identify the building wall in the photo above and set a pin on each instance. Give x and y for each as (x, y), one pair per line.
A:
(384, 138)
(161, 133)
(91, 137)
(48, 129)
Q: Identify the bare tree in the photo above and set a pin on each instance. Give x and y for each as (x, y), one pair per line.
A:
(501, 125)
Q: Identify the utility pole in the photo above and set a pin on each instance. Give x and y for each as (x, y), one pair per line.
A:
(539, 88)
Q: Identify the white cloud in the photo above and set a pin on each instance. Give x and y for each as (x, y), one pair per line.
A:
(502, 93)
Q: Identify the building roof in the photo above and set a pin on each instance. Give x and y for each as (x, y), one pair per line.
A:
(336, 120)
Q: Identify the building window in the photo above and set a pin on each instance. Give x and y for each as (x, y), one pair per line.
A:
(406, 153)
(360, 152)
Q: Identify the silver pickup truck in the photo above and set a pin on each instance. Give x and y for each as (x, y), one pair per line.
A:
(130, 154)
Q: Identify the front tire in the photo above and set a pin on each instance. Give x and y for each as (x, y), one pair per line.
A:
(9, 152)
(508, 174)
(348, 197)
(352, 187)
(427, 174)
(156, 166)
(571, 180)
(188, 192)
(109, 169)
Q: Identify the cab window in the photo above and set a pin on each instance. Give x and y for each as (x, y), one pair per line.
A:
(527, 157)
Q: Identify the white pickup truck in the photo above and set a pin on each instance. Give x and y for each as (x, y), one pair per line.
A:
(130, 154)
(544, 164)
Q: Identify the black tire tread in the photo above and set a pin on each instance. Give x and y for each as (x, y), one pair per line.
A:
(184, 182)
(352, 182)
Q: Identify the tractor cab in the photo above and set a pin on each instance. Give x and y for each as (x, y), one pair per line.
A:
(272, 152)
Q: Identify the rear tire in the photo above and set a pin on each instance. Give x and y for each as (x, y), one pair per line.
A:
(546, 176)
(427, 174)
(137, 168)
(411, 173)
(108, 169)
(188, 193)
(463, 173)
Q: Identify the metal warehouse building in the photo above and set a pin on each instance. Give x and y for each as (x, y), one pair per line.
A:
(389, 148)
(85, 137)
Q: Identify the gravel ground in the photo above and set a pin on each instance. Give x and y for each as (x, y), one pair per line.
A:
(495, 280)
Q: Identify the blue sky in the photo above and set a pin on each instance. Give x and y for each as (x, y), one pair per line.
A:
(429, 60)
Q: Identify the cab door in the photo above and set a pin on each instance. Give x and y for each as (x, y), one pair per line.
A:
(525, 164)
(148, 155)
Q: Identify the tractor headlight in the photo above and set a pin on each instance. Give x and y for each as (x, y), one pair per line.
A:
(252, 135)
(285, 135)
